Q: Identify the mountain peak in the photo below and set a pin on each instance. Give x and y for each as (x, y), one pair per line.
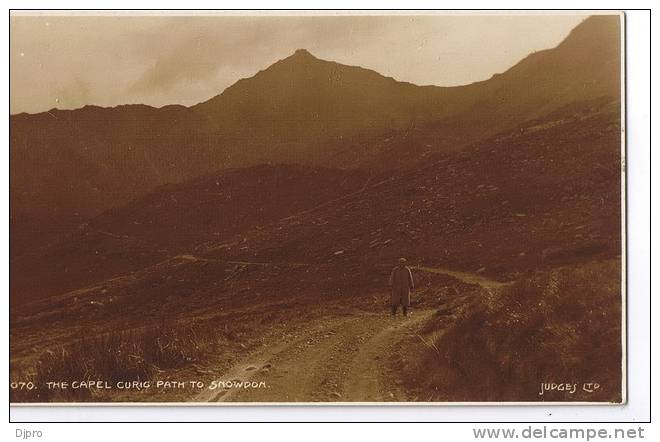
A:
(595, 33)
(302, 53)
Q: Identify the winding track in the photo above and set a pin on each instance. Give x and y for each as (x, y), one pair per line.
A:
(340, 359)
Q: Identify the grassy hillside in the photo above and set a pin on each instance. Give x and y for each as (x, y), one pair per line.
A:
(557, 326)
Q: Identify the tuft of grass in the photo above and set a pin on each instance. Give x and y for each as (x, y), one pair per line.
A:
(560, 326)
(128, 355)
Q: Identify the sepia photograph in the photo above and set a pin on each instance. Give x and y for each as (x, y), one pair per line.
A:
(317, 207)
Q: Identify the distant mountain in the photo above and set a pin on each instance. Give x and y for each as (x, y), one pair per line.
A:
(304, 98)
(67, 166)
(585, 67)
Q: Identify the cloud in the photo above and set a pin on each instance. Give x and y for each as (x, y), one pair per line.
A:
(200, 48)
(161, 60)
(75, 94)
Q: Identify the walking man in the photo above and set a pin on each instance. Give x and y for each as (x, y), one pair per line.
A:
(401, 282)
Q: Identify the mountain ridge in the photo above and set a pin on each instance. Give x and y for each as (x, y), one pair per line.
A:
(593, 23)
(79, 163)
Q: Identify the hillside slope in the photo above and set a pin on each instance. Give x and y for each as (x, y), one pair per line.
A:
(176, 219)
(543, 194)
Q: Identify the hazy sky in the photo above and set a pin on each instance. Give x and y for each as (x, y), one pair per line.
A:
(67, 62)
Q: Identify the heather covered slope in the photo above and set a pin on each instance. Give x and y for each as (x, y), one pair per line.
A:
(544, 194)
(551, 198)
(175, 219)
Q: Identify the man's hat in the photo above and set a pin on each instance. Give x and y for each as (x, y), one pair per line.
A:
(402, 260)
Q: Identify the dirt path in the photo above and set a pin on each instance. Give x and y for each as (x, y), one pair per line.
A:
(470, 278)
(340, 359)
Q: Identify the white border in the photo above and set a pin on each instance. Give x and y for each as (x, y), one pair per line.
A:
(636, 41)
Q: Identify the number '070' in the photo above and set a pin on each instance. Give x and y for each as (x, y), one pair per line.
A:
(20, 385)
